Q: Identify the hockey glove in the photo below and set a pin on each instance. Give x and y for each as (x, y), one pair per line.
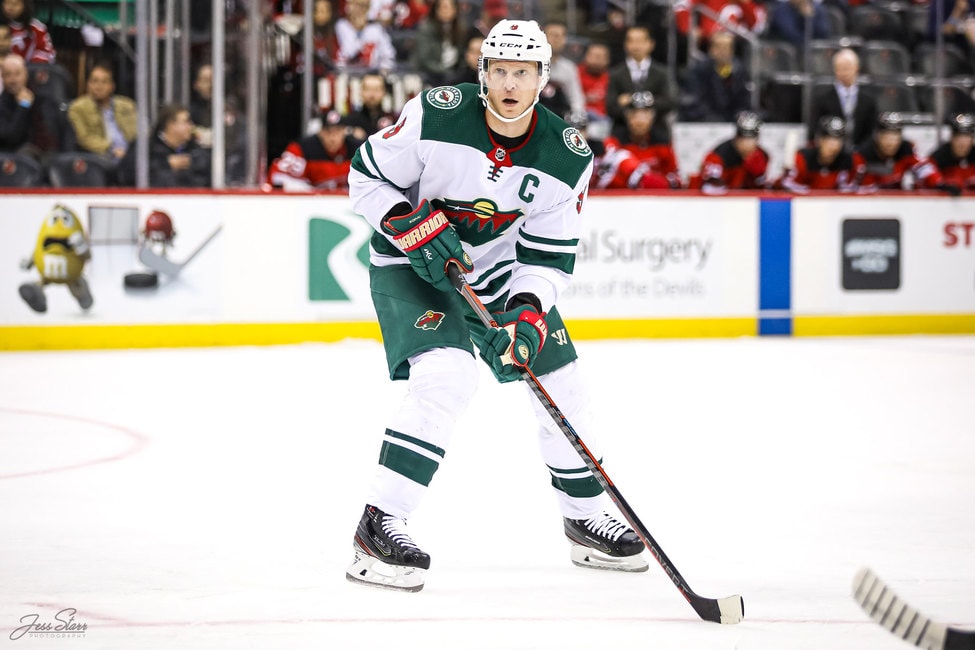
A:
(430, 242)
(516, 341)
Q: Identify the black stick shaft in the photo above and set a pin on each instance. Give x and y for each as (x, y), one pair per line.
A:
(707, 608)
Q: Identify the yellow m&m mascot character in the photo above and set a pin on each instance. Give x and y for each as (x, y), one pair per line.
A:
(60, 255)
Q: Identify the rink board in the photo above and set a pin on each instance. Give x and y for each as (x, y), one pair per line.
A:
(291, 268)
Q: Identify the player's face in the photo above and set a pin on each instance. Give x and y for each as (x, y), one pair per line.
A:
(639, 121)
(961, 144)
(511, 86)
(829, 148)
(333, 137)
(888, 142)
(746, 146)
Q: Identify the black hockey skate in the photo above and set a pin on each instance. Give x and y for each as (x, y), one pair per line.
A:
(385, 555)
(603, 542)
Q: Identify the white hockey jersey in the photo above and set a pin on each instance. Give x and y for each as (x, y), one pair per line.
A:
(518, 211)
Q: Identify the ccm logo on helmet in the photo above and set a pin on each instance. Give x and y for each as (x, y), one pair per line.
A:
(519, 45)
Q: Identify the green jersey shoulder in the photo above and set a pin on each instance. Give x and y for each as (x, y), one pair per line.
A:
(455, 114)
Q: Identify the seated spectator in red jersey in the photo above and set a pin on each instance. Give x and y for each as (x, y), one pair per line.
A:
(320, 161)
(955, 159)
(637, 160)
(28, 36)
(826, 164)
(714, 15)
(891, 163)
(735, 164)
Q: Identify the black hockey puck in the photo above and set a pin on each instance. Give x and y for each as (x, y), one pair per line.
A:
(141, 280)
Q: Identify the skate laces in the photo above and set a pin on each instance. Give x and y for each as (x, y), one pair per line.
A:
(395, 529)
(607, 526)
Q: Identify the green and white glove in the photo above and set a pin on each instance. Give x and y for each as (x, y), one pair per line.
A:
(430, 241)
(516, 341)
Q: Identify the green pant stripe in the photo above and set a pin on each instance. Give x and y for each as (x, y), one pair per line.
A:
(416, 441)
(578, 487)
(574, 470)
(408, 463)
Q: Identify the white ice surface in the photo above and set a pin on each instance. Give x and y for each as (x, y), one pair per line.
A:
(206, 498)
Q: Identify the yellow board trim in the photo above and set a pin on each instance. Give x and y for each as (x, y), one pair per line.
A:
(103, 337)
(883, 325)
(106, 337)
(86, 337)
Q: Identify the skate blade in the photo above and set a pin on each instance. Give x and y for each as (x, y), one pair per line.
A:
(371, 572)
(589, 558)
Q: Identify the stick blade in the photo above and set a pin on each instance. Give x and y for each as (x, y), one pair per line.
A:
(727, 611)
(896, 616)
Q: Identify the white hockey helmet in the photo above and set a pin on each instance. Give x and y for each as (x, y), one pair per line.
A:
(515, 40)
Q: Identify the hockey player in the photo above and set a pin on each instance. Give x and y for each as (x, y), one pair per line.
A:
(892, 163)
(735, 164)
(826, 164)
(955, 159)
(321, 160)
(638, 159)
(480, 176)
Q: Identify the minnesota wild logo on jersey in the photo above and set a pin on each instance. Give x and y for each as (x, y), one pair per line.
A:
(477, 221)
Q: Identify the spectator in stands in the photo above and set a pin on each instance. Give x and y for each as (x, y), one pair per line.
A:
(891, 163)
(440, 42)
(104, 123)
(324, 41)
(467, 72)
(958, 24)
(788, 21)
(201, 105)
(175, 157)
(955, 159)
(638, 160)
(735, 164)
(638, 74)
(717, 87)
(4, 46)
(564, 71)
(321, 160)
(29, 123)
(825, 164)
(5, 40)
(594, 78)
(28, 36)
(372, 115)
(363, 43)
(492, 12)
(846, 98)
(700, 20)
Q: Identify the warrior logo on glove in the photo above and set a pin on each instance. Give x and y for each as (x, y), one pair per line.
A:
(430, 242)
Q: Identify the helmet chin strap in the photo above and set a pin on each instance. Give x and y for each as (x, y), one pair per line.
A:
(507, 120)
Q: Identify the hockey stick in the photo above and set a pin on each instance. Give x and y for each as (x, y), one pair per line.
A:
(728, 610)
(883, 606)
(157, 262)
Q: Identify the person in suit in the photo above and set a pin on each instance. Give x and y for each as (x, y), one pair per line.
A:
(717, 87)
(103, 122)
(637, 73)
(846, 98)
